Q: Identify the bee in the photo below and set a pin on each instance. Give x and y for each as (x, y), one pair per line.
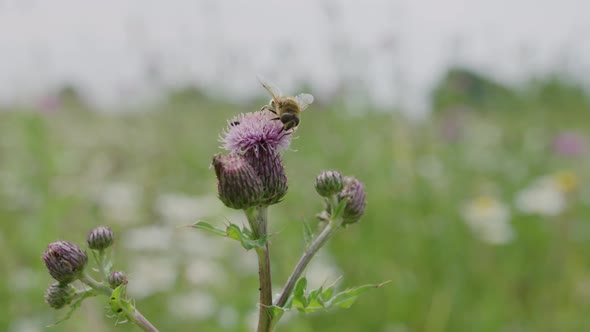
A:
(287, 109)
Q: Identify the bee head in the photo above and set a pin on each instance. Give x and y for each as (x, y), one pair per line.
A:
(289, 120)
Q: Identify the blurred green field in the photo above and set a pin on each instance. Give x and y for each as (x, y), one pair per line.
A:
(419, 178)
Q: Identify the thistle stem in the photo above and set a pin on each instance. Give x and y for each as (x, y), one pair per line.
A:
(98, 286)
(134, 315)
(315, 246)
(258, 219)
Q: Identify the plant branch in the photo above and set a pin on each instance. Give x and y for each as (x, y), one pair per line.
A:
(133, 314)
(258, 219)
(315, 246)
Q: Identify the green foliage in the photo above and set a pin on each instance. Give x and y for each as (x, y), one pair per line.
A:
(234, 232)
(324, 298)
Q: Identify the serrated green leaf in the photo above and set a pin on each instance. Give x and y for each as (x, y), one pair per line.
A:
(307, 233)
(209, 228)
(234, 232)
(339, 209)
(299, 301)
(346, 298)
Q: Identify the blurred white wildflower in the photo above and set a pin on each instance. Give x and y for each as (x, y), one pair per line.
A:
(489, 220)
(205, 272)
(195, 305)
(144, 238)
(151, 275)
(120, 202)
(548, 195)
(179, 209)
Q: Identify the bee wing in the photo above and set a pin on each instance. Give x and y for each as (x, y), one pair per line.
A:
(304, 100)
(272, 89)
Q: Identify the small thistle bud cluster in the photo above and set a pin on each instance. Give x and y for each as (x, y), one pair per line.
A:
(329, 183)
(100, 238)
(117, 279)
(59, 295)
(65, 261)
(253, 173)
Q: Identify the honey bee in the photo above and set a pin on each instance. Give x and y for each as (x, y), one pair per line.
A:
(287, 109)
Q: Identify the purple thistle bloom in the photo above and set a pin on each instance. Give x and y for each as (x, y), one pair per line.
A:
(569, 144)
(252, 132)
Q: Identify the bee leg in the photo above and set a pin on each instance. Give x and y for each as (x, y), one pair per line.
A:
(268, 108)
(277, 118)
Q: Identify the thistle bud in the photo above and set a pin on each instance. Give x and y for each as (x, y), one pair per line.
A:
(59, 295)
(238, 185)
(65, 261)
(269, 167)
(100, 238)
(117, 279)
(328, 183)
(354, 192)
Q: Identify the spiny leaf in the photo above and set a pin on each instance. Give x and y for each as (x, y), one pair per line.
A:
(307, 233)
(234, 232)
(347, 297)
(339, 209)
(209, 228)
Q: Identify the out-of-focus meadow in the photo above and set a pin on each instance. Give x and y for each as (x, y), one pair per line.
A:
(478, 215)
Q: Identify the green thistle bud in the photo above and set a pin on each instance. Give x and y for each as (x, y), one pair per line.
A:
(100, 238)
(65, 261)
(354, 192)
(59, 295)
(329, 183)
(269, 167)
(117, 279)
(238, 185)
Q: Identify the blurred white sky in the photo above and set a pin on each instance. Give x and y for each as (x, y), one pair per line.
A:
(120, 52)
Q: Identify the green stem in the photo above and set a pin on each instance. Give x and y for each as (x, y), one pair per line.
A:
(98, 286)
(133, 314)
(315, 246)
(258, 219)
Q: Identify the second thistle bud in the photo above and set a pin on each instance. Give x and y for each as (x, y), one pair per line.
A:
(329, 183)
(117, 279)
(65, 261)
(100, 238)
(238, 184)
(59, 295)
(354, 192)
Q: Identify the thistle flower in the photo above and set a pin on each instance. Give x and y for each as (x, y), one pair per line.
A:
(238, 185)
(116, 279)
(65, 261)
(59, 295)
(261, 141)
(354, 192)
(100, 238)
(255, 132)
(329, 183)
